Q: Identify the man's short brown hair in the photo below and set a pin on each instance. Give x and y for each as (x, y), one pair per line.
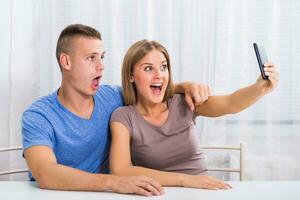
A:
(64, 41)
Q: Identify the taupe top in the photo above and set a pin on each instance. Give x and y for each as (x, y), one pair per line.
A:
(171, 147)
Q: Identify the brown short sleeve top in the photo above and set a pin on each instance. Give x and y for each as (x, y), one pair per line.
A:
(173, 147)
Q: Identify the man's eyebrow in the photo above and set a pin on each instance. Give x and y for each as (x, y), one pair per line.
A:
(95, 53)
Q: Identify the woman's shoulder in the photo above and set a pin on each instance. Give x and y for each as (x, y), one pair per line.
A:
(122, 112)
(124, 115)
(123, 109)
(177, 99)
(179, 106)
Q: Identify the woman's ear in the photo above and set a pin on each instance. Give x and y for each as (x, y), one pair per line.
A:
(131, 79)
(65, 61)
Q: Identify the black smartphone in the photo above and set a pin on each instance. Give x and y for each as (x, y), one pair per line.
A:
(262, 58)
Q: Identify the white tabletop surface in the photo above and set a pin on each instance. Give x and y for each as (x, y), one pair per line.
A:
(285, 190)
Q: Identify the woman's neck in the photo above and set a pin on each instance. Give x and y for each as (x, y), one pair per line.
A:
(155, 114)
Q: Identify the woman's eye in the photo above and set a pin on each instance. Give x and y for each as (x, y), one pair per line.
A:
(102, 57)
(164, 67)
(147, 68)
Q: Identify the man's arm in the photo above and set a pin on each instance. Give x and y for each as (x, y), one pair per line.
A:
(51, 175)
(195, 94)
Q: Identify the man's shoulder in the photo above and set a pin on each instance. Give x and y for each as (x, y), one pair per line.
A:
(109, 89)
(42, 104)
(110, 94)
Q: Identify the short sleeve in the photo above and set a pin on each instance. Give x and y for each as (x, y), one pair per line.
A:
(119, 93)
(36, 130)
(179, 101)
(118, 89)
(122, 115)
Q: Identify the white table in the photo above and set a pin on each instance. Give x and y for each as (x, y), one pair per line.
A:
(285, 190)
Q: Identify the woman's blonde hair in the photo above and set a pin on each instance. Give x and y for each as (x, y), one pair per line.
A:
(134, 54)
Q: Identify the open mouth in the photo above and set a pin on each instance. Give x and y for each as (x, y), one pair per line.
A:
(156, 88)
(96, 82)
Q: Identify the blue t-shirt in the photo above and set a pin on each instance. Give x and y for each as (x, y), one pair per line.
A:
(76, 142)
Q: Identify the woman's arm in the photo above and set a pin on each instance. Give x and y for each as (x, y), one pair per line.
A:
(120, 164)
(217, 106)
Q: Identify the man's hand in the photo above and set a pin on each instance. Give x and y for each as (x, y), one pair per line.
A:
(141, 185)
(196, 94)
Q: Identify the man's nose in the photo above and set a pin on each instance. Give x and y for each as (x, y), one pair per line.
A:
(100, 65)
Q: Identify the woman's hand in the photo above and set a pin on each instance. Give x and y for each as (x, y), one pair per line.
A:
(204, 182)
(268, 86)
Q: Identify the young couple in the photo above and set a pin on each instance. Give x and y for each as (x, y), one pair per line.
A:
(66, 134)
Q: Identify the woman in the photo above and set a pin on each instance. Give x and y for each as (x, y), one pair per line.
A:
(153, 135)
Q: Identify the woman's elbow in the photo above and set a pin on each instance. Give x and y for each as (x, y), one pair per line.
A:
(234, 109)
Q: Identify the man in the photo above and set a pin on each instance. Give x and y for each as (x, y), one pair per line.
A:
(66, 134)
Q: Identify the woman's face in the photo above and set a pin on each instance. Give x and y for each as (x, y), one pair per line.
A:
(151, 77)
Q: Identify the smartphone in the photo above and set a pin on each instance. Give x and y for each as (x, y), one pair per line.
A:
(262, 58)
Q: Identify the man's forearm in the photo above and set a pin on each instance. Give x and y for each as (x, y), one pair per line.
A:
(60, 177)
(180, 88)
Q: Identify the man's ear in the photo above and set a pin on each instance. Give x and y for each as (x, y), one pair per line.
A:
(65, 61)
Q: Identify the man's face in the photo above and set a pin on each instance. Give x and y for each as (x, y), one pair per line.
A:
(86, 65)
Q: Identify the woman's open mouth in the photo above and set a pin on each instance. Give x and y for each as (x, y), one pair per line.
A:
(156, 88)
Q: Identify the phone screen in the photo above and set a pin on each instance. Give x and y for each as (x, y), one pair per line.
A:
(262, 58)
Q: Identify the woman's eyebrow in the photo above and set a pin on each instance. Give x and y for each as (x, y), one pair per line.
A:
(145, 63)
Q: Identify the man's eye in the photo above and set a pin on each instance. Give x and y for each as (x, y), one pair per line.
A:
(91, 58)
(102, 57)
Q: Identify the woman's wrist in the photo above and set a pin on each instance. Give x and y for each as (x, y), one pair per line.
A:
(259, 88)
(182, 179)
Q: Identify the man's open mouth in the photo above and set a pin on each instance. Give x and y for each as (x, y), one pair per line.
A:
(96, 82)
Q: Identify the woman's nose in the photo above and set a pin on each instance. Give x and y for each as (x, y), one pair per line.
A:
(157, 73)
